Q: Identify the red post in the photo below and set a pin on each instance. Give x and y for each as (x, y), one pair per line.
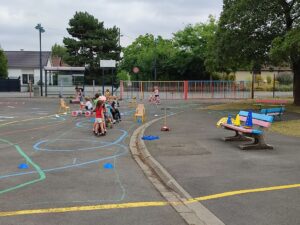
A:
(234, 89)
(212, 89)
(121, 89)
(185, 89)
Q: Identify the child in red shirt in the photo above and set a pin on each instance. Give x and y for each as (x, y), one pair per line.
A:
(99, 117)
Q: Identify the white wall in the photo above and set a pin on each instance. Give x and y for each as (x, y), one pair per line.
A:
(14, 73)
(247, 76)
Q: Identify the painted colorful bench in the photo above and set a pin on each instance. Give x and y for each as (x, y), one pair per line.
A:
(256, 133)
(270, 102)
(273, 111)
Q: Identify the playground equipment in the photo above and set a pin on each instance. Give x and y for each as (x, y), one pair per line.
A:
(76, 113)
(229, 120)
(154, 100)
(63, 108)
(249, 122)
(88, 113)
(140, 112)
(237, 121)
(165, 126)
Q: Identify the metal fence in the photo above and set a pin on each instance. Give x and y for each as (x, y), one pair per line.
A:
(185, 89)
(10, 85)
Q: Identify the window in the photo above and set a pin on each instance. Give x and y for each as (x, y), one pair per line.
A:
(27, 77)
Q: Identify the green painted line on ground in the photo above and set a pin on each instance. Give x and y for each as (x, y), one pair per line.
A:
(28, 160)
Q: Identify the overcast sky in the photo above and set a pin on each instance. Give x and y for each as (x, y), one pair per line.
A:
(134, 17)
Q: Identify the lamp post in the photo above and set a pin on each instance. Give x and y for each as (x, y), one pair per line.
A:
(41, 30)
(155, 54)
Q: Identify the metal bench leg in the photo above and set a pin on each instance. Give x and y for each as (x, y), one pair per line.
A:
(238, 137)
(259, 143)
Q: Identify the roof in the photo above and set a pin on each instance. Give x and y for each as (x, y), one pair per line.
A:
(58, 61)
(55, 61)
(64, 68)
(26, 59)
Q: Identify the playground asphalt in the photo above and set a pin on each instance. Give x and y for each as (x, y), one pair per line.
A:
(239, 187)
(76, 178)
(73, 176)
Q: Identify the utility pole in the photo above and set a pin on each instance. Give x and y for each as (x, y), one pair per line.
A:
(41, 30)
(119, 37)
(155, 59)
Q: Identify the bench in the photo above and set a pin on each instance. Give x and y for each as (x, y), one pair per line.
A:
(273, 111)
(260, 122)
(140, 112)
(274, 102)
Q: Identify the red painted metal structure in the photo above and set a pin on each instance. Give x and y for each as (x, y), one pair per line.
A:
(186, 89)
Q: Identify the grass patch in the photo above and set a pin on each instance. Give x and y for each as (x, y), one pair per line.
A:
(289, 128)
(250, 104)
(247, 104)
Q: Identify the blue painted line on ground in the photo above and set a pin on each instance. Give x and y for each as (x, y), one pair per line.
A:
(73, 165)
(106, 144)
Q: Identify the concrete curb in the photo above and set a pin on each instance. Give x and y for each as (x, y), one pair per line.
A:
(193, 213)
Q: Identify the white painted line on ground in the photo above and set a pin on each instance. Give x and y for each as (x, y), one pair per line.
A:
(7, 117)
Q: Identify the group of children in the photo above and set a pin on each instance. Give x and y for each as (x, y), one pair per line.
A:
(105, 113)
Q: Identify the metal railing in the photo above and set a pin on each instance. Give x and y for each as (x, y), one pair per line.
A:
(185, 89)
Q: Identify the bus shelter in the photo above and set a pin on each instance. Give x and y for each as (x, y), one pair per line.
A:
(67, 76)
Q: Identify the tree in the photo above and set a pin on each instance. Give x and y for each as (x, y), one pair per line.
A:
(194, 48)
(3, 65)
(60, 51)
(182, 57)
(122, 75)
(250, 31)
(90, 42)
(146, 53)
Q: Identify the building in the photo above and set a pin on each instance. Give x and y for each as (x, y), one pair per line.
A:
(26, 65)
(244, 75)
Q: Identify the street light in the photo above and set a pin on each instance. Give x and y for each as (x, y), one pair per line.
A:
(41, 30)
(155, 55)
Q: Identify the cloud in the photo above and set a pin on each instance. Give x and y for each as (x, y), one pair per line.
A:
(134, 17)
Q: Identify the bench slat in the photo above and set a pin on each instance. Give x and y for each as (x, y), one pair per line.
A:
(257, 116)
(271, 101)
(256, 122)
(242, 129)
(272, 110)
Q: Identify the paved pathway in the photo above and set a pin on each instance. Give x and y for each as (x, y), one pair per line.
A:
(195, 155)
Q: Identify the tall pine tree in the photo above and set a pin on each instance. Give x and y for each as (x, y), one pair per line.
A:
(90, 42)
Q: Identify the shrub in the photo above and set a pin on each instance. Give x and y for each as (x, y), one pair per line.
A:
(285, 78)
(122, 75)
(285, 88)
(269, 80)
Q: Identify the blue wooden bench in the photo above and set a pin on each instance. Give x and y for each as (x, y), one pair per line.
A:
(273, 111)
(260, 123)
